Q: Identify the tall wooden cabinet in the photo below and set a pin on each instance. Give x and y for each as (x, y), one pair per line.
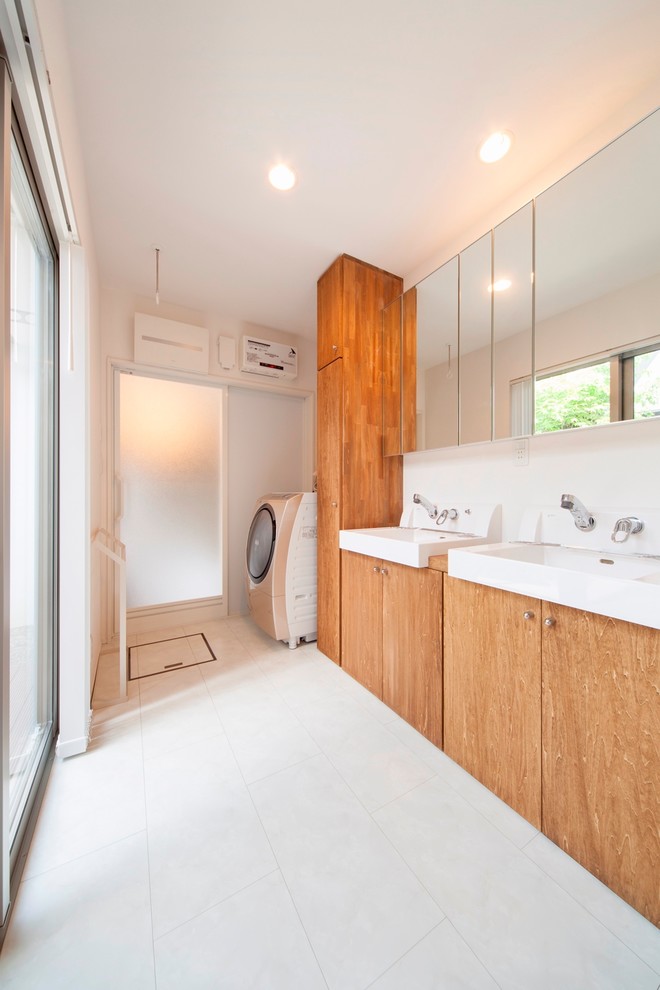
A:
(357, 486)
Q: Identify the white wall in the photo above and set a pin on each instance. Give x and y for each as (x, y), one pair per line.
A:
(608, 466)
(78, 659)
(266, 454)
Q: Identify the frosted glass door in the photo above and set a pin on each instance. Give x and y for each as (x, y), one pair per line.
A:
(169, 466)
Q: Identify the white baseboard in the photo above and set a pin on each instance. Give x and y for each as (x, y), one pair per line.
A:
(65, 748)
(142, 620)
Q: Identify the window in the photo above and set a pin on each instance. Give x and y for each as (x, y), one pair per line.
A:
(612, 388)
(568, 399)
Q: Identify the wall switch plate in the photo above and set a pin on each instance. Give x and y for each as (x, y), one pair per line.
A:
(226, 353)
(521, 452)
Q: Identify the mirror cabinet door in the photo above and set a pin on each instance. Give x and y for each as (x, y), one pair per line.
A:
(409, 434)
(512, 325)
(436, 381)
(393, 370)
(597, 343)
(573, 339)
(475, 342)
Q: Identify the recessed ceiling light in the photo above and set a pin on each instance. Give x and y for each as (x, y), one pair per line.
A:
(282, 177)
(500, 285)
(495, 146)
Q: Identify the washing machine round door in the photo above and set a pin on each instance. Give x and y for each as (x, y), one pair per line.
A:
(261, 544)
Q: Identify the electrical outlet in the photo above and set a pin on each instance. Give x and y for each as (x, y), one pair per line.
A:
(521, 452)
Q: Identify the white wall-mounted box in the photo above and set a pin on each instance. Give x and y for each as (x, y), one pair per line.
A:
(263, 357)
(168, 344)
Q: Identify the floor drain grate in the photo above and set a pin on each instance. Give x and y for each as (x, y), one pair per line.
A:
(168, 654)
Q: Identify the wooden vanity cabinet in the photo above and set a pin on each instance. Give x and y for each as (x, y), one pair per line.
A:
(601, 736)
(362, 619)
(492, 690)
(412, 646)
(392, 636)
(556, 711)
(357, 486)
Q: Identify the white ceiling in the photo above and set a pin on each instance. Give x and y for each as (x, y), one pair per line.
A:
(378, 106)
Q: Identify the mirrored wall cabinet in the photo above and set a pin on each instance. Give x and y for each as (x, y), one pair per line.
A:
(550, 321)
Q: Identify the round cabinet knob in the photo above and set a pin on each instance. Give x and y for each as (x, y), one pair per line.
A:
(528, 615)
(335, 347)
(376, 570)
(384, 570)
(334, 505)
(549, 622)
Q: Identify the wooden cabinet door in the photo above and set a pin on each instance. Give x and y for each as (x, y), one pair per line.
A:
(412, 646)
(372, 490)
(330, 314)
(361, 619)
(492, 687)
(601, 734)
(329, 448)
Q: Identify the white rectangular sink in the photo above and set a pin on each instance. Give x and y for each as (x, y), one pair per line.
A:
(403, 544)
(623, 586)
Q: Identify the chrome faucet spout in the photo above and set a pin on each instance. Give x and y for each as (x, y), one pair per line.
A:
(581, 515)
(429, 506)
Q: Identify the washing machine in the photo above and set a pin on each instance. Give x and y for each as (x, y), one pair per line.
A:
(281, 566)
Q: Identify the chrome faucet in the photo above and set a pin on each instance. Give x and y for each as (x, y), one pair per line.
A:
(451, 513)
(626, 526)
(429, 506)
(581, 516)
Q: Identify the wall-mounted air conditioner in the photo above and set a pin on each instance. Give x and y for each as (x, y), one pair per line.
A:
(263, 357)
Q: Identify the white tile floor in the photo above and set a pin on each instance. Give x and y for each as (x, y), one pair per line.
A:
(263, 822)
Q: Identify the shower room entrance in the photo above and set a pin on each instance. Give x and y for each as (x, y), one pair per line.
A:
(169, 491)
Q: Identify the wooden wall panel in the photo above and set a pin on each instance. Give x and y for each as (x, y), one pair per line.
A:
(329, 445)
(412, 646)
(492, 682)
(601, 738)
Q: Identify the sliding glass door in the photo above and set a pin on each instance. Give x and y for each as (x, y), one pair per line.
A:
(32, 493)
(29, 503)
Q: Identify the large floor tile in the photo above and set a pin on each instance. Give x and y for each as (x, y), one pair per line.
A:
(90, 801)
(632, 928)
(205, 838)
(524, 928)
(359, 903)
(84, 926)
(254, 939)
(264, 734)
(177, 713)
(508, 821)
(376, 766)
(371, 704)
(441, 960)
(234, 675)
(301, 676)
